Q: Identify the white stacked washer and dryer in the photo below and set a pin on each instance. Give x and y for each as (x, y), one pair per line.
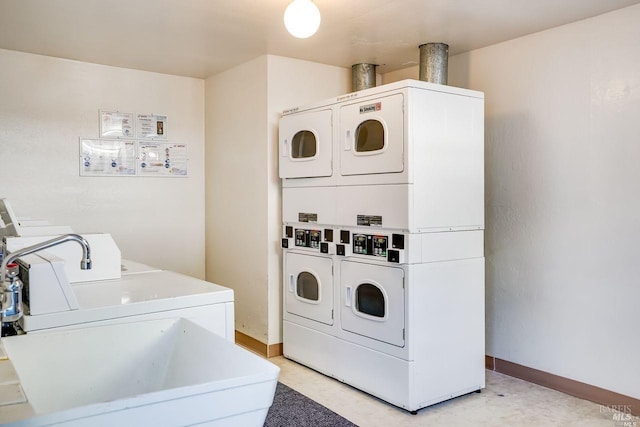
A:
(383, 247)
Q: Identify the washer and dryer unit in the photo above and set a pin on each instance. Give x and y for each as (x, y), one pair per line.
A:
(383, 240)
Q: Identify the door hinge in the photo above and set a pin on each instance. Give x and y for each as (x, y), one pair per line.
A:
(402, 334)
(331, 314)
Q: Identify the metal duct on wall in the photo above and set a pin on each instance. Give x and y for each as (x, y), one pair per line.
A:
(434, 62)
(363, 76)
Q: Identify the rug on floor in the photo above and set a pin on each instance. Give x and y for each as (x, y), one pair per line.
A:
(291, 408)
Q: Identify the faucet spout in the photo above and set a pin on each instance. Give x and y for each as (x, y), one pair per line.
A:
(85, 263)
(10, 284)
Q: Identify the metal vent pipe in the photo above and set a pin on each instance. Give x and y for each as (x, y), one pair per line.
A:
(434, 62)
(363, 76)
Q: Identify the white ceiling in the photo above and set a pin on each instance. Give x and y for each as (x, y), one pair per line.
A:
(200, 38)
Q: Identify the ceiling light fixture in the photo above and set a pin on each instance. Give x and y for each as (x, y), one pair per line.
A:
(302, 18)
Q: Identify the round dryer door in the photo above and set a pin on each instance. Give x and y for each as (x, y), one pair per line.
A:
(305, 145)
(308, 287)
(372, 136)
(373, 301)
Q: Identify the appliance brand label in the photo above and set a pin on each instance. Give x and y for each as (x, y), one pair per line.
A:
(370, 220)
(370, 107)
(349, 96)
(307, 217)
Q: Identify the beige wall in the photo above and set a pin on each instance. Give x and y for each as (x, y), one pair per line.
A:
(243, 199)
(562, 197)
(562, 109)
(236, 190)
(291, 83)
(47, 104)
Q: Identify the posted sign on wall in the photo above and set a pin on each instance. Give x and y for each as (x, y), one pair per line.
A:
(162, 159)
(100, 157)
(128, 148)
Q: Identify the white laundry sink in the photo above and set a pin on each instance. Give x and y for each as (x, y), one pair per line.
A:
(162, 372)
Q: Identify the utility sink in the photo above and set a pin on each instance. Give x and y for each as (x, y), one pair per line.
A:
(160, 372)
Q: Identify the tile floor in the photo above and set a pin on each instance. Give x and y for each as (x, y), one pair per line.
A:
(506, 401)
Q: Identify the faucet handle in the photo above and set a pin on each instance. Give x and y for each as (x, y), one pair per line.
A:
(12, 270)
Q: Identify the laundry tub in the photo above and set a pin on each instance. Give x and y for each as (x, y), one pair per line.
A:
(168, 372)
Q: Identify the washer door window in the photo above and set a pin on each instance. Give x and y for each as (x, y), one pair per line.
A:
(305, 145)
(372, 135)
(373, 301)
(308, 287)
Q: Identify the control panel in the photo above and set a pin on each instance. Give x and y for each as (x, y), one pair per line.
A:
(317, 240)
(381, 246)
(308, 238)
(368, 244)
(389, 247)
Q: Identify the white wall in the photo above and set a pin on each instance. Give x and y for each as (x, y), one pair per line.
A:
(48, 103)
(243, 198)
(563, 197)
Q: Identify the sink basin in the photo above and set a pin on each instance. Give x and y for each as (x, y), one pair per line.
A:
(159, 372)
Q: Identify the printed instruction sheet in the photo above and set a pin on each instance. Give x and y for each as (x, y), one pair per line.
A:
(114, 124)
(151, 126)
(162, 159)
(100, 157)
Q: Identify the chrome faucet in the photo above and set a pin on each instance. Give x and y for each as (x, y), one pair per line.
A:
(11, 297)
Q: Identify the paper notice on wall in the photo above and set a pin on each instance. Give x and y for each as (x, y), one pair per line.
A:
(162, 159)
(103, 157)
(151, 126)
(114, 124)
